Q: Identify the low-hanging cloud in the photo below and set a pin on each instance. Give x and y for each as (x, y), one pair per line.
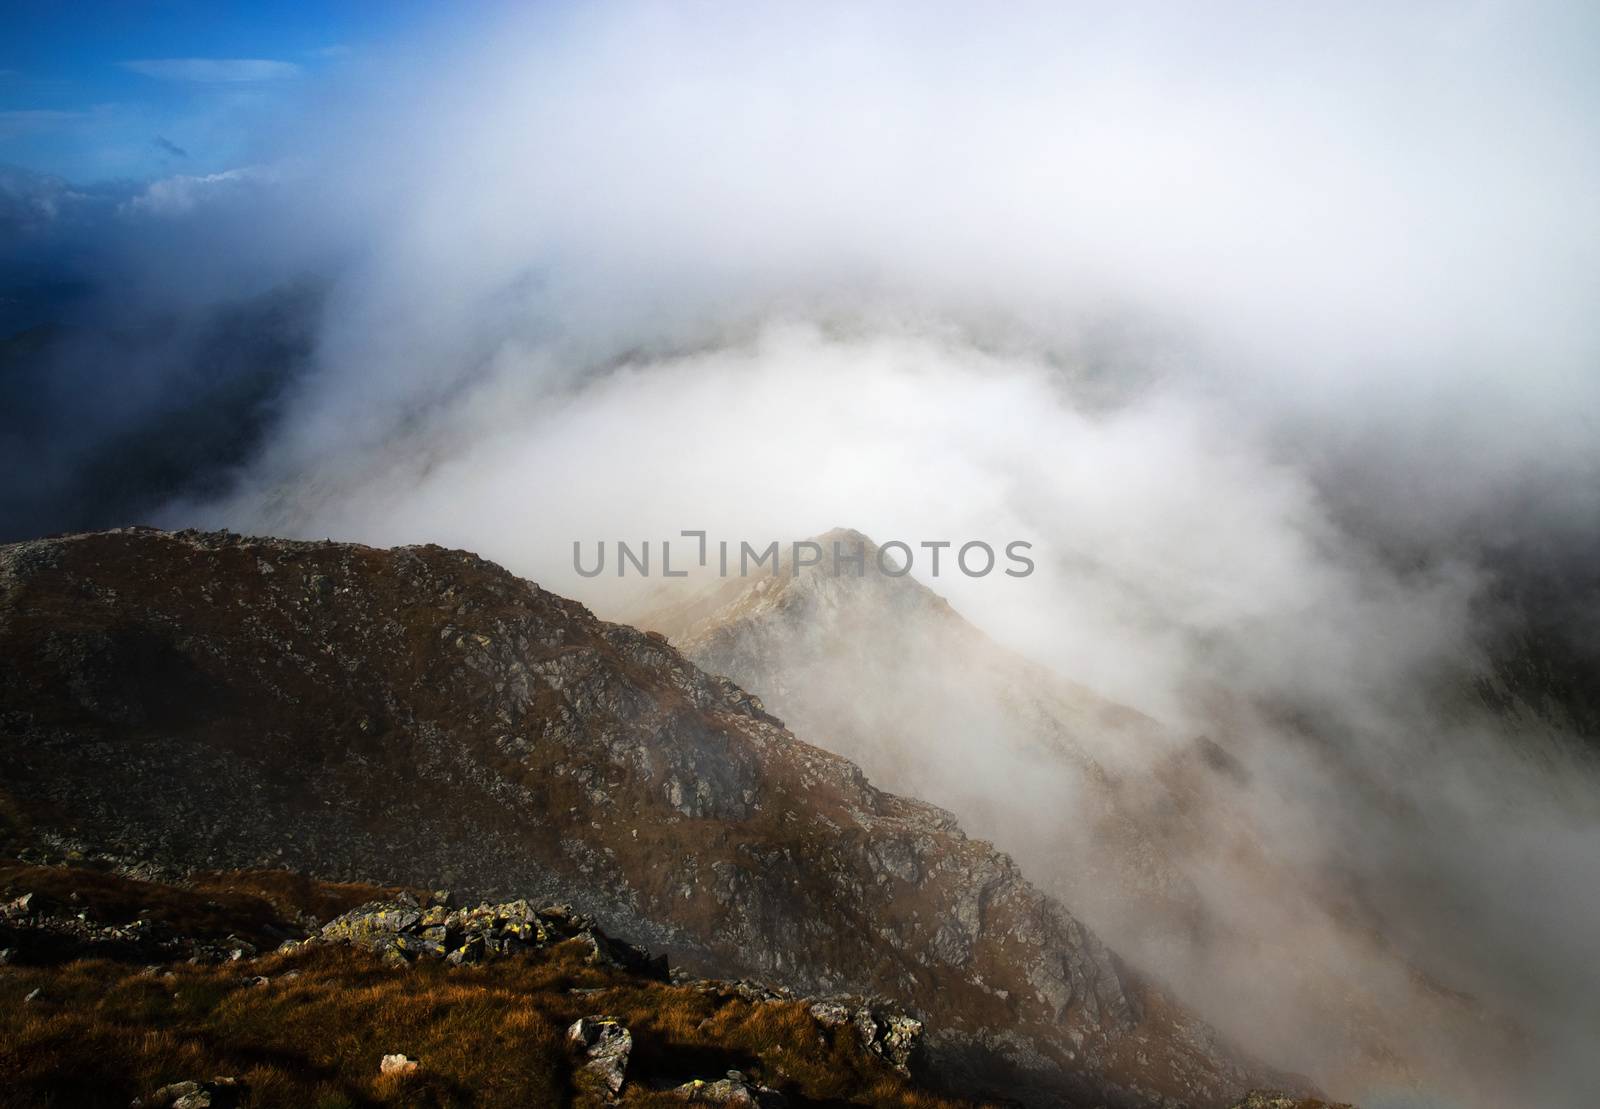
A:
(1272, 331)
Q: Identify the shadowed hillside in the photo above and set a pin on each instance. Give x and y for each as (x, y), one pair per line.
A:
(421, 717)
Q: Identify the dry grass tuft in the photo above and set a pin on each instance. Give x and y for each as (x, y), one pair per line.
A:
(102, 1033)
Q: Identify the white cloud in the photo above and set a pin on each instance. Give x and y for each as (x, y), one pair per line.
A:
(214, 71)
(1148, 286)
(182, 193)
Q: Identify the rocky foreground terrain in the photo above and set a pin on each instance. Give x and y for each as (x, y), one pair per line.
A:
(227, 991)
(419, 717)
(110, 987)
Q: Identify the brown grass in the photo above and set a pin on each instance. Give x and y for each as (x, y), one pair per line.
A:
(261, 906)
(102, 1033)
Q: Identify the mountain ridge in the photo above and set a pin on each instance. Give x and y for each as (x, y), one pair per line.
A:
(918, 674)
(420, 715)
(1167, 848)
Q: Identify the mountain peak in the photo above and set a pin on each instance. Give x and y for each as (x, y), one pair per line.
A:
(845, 535)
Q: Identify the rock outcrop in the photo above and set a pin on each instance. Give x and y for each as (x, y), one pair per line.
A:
(734, 1090)
(420, 717)
(406, 930)
(605, 1044)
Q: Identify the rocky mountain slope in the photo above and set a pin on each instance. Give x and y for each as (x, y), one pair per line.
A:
(1153, 838)
(421, 717)
(886, 673)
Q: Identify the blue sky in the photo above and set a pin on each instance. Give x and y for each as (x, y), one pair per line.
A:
(115, 90)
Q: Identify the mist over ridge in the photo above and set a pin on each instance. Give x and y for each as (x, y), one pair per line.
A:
(1272, 330)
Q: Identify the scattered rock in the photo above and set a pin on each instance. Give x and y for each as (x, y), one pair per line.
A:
(43, 931)
(605, 1044)
(219, 1093)
(397, 1064)
(830, 1013)
(897, 1039)
(735, 1089)
(884, 1030)
(402, 934)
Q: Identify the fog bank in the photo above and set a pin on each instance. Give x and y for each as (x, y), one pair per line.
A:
(1272, 329)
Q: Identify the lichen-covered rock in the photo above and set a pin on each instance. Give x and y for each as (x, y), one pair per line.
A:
(897, 1040)
(605, 1045)
(483, 932)
(884, 1030)
(734, 1089)
(830, 1013)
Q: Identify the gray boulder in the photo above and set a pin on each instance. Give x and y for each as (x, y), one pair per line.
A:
(605, 1045)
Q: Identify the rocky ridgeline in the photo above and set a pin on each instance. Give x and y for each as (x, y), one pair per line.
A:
(417, 716)
(885, 671)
